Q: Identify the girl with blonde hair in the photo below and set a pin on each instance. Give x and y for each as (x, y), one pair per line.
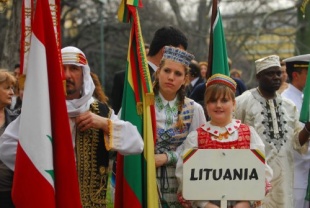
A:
(176, 116)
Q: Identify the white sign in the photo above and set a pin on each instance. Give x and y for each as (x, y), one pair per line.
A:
(222, 174)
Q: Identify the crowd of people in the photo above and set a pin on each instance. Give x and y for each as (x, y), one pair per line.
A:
(191, 110)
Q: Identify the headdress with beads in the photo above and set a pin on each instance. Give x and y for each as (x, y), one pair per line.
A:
(222, 79)
(177, 55)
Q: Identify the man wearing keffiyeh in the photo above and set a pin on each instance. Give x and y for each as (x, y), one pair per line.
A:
(94, 127)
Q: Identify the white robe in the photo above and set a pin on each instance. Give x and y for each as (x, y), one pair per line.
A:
(276, 122)
(301, 162)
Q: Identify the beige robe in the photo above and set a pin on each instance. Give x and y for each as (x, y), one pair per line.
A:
(277, 123)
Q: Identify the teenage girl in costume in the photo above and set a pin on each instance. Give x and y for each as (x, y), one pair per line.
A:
(176, 116)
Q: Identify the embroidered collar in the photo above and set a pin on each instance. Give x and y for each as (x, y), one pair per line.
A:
(216, 130)
(161, 102)
(273, 122)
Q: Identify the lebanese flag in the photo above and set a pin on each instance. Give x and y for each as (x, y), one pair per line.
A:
(45, 172)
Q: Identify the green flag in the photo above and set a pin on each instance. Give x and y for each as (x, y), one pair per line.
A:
(218, 59)
(305, 113)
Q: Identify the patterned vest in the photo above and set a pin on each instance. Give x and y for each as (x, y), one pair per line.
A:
(92, 161)
(243, 141)
(169, 139)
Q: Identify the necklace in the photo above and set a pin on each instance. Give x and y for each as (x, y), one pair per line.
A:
(260, 92)
(223, 136)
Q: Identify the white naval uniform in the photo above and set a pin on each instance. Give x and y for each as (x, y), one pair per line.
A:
(301, 162)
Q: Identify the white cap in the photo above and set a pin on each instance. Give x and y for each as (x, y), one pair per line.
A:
(305, 58)
(297, 62)
(267, 62)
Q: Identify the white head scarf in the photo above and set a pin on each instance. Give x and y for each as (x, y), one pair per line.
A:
(73, 55)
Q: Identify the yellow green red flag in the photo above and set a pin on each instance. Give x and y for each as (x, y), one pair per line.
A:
(135, 174)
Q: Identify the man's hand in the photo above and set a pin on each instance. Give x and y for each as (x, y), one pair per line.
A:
(89, 120)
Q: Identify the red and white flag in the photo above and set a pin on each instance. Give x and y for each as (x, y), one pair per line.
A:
(45, 172)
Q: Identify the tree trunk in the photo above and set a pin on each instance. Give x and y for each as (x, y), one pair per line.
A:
(11, 47)
(203, 23)
(302, 44)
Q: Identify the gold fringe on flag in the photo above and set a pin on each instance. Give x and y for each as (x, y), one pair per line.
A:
(303, 7)
(149, 98)
(21, 81)
(139, 108)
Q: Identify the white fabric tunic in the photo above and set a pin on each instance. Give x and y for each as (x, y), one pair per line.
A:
(301, 162)
(293, 94)
(276, 122)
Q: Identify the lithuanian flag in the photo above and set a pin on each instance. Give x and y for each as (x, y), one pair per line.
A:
(135, 174)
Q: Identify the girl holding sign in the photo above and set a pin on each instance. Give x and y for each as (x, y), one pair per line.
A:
(221, 132)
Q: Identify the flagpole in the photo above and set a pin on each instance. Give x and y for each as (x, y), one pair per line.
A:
(136, 186)
(102, 74)
(218, 59)
(210, 56)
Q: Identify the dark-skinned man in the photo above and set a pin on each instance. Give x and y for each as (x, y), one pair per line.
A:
(276, 120)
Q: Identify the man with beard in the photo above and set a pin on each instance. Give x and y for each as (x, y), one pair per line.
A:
(95, 130)
(276, 120)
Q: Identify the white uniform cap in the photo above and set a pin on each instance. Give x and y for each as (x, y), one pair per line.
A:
(297, 62)
(305, 58)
